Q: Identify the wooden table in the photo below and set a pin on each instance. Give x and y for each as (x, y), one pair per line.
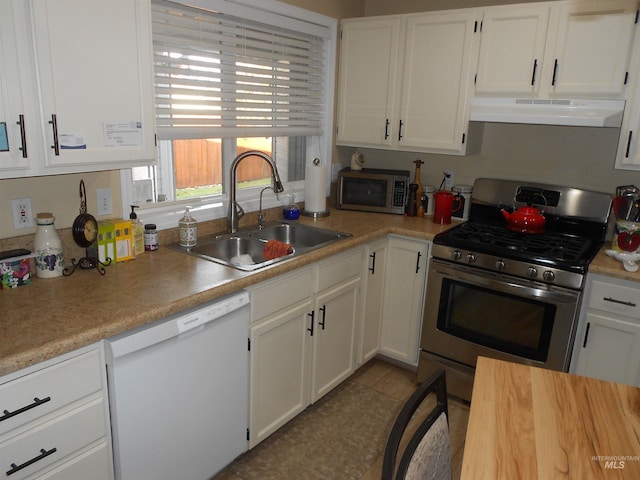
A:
(532, 423)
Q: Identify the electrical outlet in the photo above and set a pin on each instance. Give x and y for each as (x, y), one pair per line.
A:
(105, 205)
(449, 179)
(22, 213)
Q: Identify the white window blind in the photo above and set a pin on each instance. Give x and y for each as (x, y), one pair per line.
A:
(218, 75)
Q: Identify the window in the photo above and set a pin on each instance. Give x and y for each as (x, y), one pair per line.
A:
(229, 78)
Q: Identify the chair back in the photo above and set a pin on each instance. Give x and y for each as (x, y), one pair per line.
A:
(427, 454)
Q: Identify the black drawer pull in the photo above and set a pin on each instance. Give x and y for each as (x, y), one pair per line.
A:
(372, 268)
(43, 453)
(36, 402)
(312, 314)
(621, 302)
(323, 309)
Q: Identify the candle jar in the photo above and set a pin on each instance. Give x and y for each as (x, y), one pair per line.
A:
(49, 260)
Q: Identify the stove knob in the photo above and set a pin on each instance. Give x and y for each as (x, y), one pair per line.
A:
(532, 272)
(456, 255)
(500, 265)
(471, 258)
(549, 276)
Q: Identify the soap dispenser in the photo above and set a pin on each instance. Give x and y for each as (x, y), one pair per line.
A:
(188, 230)
(138, 232)
(291, 210)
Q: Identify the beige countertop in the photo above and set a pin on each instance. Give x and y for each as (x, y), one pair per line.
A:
(51, 317)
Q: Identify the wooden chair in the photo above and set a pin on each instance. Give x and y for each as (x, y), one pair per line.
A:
(427, 454)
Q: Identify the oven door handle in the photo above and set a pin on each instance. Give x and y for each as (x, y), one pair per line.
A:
(418, 262)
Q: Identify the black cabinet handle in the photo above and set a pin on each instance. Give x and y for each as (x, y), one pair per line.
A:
(312, 314)
(418, 262)
(400, 131)
(372, 268)
(23, 136)
(36, 402)
(54, 125)
(533, 75)
(323, 309)
(626, 155)
(586, 335)
(386, 129)
(43, 453)
(621, 302)
(555, 71)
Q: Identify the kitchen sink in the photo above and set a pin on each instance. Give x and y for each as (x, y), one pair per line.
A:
(244, 249)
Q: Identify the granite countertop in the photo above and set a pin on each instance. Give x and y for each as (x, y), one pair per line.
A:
(51, 317)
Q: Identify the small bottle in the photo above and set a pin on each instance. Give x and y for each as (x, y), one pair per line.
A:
(188, 230)
(138, 232)
(291, 211)
(48, 247)
(150, 237)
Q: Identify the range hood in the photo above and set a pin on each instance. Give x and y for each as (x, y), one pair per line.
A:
(582, 113)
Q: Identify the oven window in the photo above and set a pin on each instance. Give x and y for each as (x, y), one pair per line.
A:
(509, 323)
(364, 191)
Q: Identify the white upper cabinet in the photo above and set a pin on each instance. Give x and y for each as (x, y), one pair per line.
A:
(512, 45)
(628, 156)
(405, 81)
(93, 83)
(434, 110)
(568, 49)
(590, 54)
(368, 69)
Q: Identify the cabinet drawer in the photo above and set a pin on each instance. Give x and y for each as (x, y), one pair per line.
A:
(50, 442)
(339, 269)
(273, 295)
(615, 298)
(95, 464)
(44, 391)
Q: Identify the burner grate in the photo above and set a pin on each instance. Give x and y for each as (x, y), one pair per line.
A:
(551, 245)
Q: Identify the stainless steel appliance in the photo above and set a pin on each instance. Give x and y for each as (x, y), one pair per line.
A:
(497, 292)
(373, 190)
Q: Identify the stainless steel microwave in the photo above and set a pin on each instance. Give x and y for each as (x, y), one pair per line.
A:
(373, 190)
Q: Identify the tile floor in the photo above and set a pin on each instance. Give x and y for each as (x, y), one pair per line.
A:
(399, 384)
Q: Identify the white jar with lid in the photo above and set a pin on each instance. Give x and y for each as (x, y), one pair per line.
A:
(427, 192)
(464, 193)
(49, 260)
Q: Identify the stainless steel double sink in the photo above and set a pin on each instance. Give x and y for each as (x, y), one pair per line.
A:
(244, 249)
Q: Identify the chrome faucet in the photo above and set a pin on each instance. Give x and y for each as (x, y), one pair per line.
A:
(235, 210)
(261, 216)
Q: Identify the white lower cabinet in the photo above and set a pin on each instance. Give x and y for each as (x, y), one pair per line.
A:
(301, 339)
(373, 275)
(55, 420)
(607, 344)
(404, 290)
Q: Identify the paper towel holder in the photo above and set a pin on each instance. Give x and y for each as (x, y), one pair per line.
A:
(308, 213)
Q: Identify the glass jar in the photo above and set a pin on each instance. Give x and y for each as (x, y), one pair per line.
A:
(291, 211)
(49, 260)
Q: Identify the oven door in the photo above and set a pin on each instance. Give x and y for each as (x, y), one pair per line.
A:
(470, 312)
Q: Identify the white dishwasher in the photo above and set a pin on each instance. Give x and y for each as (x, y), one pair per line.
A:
(178, 392)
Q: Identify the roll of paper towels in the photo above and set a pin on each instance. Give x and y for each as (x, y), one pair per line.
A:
(315, 197)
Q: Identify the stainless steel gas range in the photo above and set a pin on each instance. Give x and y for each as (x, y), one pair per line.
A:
(494, 290)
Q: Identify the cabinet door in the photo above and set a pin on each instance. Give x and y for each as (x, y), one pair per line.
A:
(368, 69)
(591, 52)
(628, 155)
(96, 83)
(512, 45)
(610, 349)
(403, 299)
(20, 137)
(372, 300)
(280, 370)
(436, 81)
(333, 344)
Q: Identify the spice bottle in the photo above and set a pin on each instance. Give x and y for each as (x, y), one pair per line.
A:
(150, 237)
(48, 247)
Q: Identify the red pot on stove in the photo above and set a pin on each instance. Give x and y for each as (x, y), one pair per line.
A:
(525, 220)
